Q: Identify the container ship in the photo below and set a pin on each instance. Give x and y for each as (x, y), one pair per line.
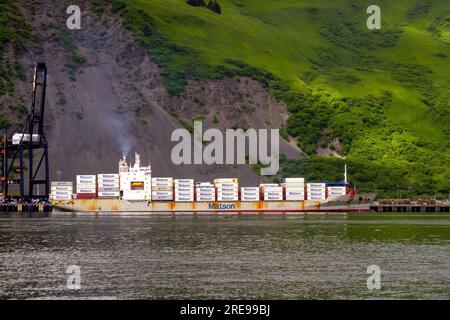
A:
(134, 189)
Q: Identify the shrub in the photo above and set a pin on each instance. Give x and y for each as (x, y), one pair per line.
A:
(118, 5)
(196, 3)
(213, 5)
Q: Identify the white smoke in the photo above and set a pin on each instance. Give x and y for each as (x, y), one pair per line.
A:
(120, 130)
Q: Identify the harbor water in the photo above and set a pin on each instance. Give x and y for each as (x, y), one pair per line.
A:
(129, 256)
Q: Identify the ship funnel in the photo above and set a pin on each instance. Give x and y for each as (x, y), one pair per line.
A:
(123, 165)
(137, 161)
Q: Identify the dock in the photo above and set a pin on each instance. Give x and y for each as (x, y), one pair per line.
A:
(406, 205)
(25, 207)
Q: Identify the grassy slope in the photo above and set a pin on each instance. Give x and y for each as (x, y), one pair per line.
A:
(384, 95)
(287, 39)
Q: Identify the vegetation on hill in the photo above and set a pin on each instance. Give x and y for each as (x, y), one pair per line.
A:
(15, 34)
(14, 31)
(383, 94)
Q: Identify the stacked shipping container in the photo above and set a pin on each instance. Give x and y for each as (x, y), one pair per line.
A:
(316, 191)
(250, 194)
(336, 190)
(136, 184)
(295, 189)
(184, 190)
(205, 192)
(61, 190)
(227, 189)
(86, 186)
(108, 186)
(272, 192)
(162, 189)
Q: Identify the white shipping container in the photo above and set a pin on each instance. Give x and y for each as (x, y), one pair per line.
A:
(227, 185)
(206, 196)
(249, 194)
(337, 189)
(315, 190)
(228, 189)
(293, 184)
(61, 183)
(108, 190)
(295, 193)
(206, 191)
(184, 185)
(334, 193)
(204, 184)
(184, 194)
(268, 195)
(226, 180)
(184, 189)
(294, 180)
(188, 181)
(62, 193)
(162, 184)
(206, 199)
(108, 176)
(61, 188)
(87, 185)
(250, 198)
(108, 185)
(108, 194)
(274, 190)
(86, 190)
(62, 197)
(254, 189)
(184, 199)
(162, 193)
(273, 198)
(108, 180)
(268, 185)
(162, 188)
(315, 196)
(162, 179)
(316, 185)
(302, 189)
(228, 193)
(295, 198)
(86, 177)
(161, 198)
(224, 198)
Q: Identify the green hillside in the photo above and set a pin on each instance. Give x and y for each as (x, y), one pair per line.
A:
(384, 94)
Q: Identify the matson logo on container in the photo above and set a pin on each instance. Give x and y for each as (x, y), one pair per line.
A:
(213, 152)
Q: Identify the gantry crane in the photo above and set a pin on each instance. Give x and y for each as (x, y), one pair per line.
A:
(26, 145)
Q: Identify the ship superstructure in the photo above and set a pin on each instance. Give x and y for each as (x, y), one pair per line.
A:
(135, 181)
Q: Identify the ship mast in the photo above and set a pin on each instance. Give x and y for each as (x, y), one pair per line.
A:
(345, 175)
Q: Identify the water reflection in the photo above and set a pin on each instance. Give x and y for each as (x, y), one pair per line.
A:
(224, 256)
